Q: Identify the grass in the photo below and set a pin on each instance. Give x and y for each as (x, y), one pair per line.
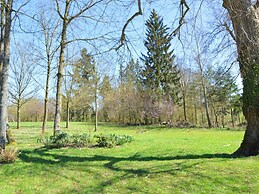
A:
(159, 160)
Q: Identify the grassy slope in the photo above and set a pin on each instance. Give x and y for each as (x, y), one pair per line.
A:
(158, 161)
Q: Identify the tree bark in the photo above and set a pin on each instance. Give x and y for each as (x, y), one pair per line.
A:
(63, 44)
(4, 73)
(245, 19)
(2, 34)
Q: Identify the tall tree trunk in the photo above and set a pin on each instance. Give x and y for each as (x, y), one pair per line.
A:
(245, 19)
(204, 90)
(58, 106)
(45, 114)
(4, 73)
(2, 35)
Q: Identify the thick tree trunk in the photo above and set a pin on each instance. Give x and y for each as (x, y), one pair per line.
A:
(245, 19)
(4, 73)
(2, 10)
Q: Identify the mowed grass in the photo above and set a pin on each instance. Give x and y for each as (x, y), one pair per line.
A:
(159, 160)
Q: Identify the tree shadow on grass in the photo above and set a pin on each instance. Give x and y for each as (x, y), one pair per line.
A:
(122, 171)
(42, 156)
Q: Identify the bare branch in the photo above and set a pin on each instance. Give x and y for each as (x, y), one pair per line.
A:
(230, 31)
(58, 10)
(90, 5)
(139, 12)
(184, 9)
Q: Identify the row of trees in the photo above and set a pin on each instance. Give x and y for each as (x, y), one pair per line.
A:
(151, 90)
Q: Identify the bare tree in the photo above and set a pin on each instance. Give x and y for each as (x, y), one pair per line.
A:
(67, 16)
(203, 85)
(49, 25)
(21, 88)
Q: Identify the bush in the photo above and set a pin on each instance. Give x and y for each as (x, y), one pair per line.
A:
(83, 140)
(8, 155)
(63, 139)
(112, 140)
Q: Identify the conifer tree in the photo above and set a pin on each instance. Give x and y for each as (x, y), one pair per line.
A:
(159, 74)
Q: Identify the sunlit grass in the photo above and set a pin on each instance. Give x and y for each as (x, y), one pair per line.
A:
(159, 160)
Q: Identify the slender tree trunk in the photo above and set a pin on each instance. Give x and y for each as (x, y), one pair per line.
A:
(223, 117)
(216, 116)
(206, 105)
(245, 19)
(232, 117)
(195, 115)
(204, 92)
(45, 114)
(4, 73)
(184, 108)
(67, 116)
(18, 115)
(96, 96)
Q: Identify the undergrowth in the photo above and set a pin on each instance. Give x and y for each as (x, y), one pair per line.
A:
(62, 139)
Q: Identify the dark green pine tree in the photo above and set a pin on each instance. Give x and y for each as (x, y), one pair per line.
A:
(159, 74)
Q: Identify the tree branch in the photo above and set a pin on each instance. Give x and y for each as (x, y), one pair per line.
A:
(183, 5)
(122, 39)
(230, 31)
(90, 5)
(58, 10)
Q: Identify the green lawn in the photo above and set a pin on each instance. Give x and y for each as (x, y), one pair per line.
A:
(159, 160)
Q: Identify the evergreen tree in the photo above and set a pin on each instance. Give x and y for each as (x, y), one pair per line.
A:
(106, 86)
(159, 74)
(223, 89)
(86, 83)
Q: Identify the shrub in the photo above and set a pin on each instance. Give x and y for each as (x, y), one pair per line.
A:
(81, 140)
(8, 155)
(63, 139)
(112, 140)
(105, 141)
